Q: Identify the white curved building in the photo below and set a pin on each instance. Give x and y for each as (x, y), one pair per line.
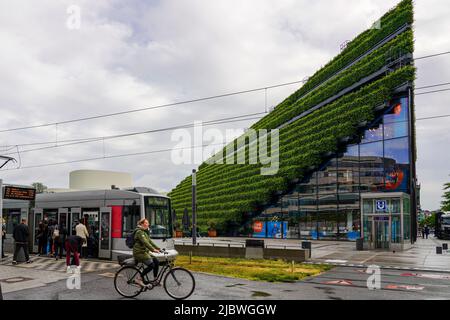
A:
(99, 179)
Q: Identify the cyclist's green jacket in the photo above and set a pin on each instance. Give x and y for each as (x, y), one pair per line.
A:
(143, 245)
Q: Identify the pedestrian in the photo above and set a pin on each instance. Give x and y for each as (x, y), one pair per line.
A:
(3, 237)
(45, 238)
(20, 235)
(427, 231)
(40, 237)
(51, 237)
(72, 244)
(82, 232)
(59, 240)
(423, 232)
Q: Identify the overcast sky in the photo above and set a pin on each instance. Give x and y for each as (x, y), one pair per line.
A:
(133, 54)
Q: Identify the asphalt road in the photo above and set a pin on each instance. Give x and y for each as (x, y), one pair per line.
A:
(341, 283)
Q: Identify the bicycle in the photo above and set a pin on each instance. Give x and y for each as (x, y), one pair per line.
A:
(179, 283)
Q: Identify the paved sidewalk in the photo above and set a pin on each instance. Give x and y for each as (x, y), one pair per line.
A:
(50, 264)
(14, 279)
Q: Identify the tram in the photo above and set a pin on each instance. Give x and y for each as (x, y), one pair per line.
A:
(109, 215)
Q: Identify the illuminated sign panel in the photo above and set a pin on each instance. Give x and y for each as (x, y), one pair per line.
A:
(17, 193)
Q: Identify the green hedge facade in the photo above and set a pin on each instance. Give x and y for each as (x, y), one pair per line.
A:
(226, 193)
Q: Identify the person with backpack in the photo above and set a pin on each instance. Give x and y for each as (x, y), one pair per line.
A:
(143, 249)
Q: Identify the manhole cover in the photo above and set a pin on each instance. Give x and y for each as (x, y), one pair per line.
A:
(15, 280)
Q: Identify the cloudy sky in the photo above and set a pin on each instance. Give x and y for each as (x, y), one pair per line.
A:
(134, 54)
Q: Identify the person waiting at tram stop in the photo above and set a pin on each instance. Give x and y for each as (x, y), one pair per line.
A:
(20, 235)
(60, 241)
(143, 250)
(72, 244)
(81, 231)
(3, 235)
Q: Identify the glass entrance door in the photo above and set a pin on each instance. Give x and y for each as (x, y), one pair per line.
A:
(381, 232)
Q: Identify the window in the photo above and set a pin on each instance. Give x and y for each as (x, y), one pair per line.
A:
(371, 167)
(374, 134)
(397, 164)
(327, 179)
(348, 170)
(130, 217)
(396, 229)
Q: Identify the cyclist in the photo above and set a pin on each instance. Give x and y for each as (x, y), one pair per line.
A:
(143, 250)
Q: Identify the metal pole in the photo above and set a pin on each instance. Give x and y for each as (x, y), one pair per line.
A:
(194, 205)
(1, 235)
(1, 217)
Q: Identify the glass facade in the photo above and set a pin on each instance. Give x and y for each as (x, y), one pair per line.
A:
(327, 204)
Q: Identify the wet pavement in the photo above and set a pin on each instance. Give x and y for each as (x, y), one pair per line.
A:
(421, 256)
(341, 283)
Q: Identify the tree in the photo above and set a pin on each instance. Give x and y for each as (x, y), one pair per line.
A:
(446, 196)
(40, 187)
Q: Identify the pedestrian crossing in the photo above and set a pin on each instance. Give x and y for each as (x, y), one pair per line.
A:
(50, 264)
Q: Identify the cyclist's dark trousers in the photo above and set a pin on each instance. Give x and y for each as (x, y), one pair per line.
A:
(151, 264)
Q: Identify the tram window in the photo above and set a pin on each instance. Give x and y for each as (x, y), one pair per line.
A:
(130, 217)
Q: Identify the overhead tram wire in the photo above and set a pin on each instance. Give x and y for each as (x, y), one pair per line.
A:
(157, 151)
(97, 139)
(150, 152)
(113, 156)
(181, 102)
(429, 92)
(94, 139)
(63, 143)
(153, 107)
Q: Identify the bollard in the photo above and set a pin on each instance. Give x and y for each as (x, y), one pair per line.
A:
(292, 266)
(190, 257)
(438, 250)
(445, 246)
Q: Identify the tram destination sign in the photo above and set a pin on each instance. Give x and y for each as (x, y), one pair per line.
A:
(19, 193)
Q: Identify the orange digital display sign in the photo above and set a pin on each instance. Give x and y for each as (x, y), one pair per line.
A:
(17, 193)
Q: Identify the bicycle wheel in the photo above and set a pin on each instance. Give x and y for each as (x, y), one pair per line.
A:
(124, 282)
(179, 283)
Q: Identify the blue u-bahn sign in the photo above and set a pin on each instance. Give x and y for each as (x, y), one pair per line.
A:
(381, 206)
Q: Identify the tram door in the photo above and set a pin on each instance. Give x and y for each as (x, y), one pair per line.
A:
(75, 215)
(63, 215)
(38, 212)
(104, 245)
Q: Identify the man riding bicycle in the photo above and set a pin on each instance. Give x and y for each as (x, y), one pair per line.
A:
(143, 250)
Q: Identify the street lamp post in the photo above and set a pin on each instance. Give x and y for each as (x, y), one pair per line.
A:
(194, 207)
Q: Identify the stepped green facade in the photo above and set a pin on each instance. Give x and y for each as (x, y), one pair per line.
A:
(318, 120)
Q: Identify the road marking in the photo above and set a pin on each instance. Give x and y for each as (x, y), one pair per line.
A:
(336, 261)
(395, 287)
(427, 276)
(340, 282)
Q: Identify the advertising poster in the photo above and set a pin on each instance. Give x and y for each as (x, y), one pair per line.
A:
(277, 229)
(259, 229)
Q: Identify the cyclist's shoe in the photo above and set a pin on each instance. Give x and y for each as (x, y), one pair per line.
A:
(140, 283)
(155, 283)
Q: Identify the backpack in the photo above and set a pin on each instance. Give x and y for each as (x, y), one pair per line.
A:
(130, 239)
(55, 233)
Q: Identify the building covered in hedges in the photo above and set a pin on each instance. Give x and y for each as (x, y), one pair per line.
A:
(346, 149)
